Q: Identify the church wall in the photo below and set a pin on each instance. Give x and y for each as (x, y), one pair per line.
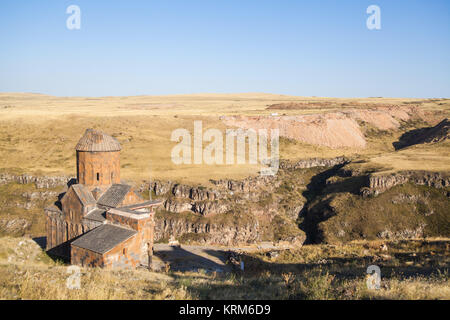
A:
(73, 209)
(125, 255)
(85, 258)
(122, 220)
(61, 231)
(98, 168)
(133, 223)
(130, 198)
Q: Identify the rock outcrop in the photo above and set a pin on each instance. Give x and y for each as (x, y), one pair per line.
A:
(247, 185)
(260, 208)
(311, 163)
(14, 226)
(181, 190)
(381, 183)
(41, 182)
(39, 195)
(181, 198)
(210, 233)
(403, 234)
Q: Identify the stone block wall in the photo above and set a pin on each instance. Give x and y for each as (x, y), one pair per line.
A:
(125, 255)
(60, 232)
(98, 168)
(85, 258)
(129, 221)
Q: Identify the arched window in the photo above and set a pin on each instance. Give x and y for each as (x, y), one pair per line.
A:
(98, 176)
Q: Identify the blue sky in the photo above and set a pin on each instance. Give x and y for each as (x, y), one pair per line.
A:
(307, 48)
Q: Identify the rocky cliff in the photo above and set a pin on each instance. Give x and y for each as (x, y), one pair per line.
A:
(311, 163)
(380, 183)
(265, 208)
(41, 182)
(203, 232)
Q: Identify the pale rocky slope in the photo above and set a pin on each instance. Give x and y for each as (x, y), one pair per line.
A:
(332, 129)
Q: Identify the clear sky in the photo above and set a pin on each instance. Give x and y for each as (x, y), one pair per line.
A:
(307, 48)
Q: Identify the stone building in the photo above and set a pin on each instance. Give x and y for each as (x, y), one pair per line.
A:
(100, 221)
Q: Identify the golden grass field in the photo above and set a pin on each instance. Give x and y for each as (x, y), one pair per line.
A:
(38, 133)
(315, 272)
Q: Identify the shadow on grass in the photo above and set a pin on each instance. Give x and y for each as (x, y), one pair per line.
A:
(410, 138)
(183, 260)
(336, 278)
(313, 211)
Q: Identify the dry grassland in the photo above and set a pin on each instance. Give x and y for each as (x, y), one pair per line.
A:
(38, 132)
(314, 272)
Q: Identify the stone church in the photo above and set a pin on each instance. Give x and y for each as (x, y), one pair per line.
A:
(100, 221)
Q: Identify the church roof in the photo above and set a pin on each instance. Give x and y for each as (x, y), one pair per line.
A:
(104, 238)
(144, 204)
(97, 141)
(114, 195)
(96, 215)
(83, 194)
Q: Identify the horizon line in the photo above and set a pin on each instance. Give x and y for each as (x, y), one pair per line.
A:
(212, 93)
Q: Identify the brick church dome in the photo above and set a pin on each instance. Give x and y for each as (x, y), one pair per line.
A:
(97, 141)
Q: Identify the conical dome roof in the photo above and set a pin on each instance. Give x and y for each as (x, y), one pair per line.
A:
(97, 141)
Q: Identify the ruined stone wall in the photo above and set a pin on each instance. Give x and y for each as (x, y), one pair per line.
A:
(98, 168)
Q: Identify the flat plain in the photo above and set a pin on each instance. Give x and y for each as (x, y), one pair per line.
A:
(38, 132)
